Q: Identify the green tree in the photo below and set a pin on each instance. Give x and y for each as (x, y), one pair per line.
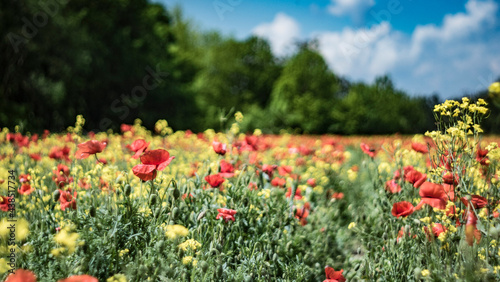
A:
(304, 94)
(235, 74)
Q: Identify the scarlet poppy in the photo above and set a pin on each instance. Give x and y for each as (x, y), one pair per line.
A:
(67, 200)
(138, 147)
(58, 153)
(4, 203)
(284, 170)
(311, 182)
(403, 209)
(21, 275)
(419, 147)
(436, 230)
(367, 150)
(226, 169)
(481, 156)
(79, 278)
(219, 148)
(279, 182)
(302, 214)
(471, 231)
(24, 178)
(337, 195)
(35, 157)
(268, 169)
(333, 276)
(415, 177)
(88, 148)
(451, 179)
(392, 186)
(126, 127)
(226, 214)
(215, 180)
(152, 161)
(253, 186)
(477, 202)
(25, 189)
(435, 195)
(298, 194)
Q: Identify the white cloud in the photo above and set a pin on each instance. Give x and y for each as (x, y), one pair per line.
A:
(450, 58)
(281, 33)
(352, 8)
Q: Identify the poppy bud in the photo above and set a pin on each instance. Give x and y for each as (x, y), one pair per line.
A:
(201, 215)
(127, 190)
(152, 199)
(176, 193)
(56, 195)
(417, 272)
(248, 278)
(288, 245)
(203, 265)
(92, 211)
(160, 246)
(175, 212)
(219, 271)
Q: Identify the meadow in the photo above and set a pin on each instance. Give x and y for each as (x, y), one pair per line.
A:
(160, 205)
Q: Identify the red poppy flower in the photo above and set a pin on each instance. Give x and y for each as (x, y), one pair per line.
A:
(338, 195)
(419, 147)
(83, 184)
(471, 231)
(403, 209)
(80, 278)
(126, 127)
(21, 275)
(226, 214)
(4, 203)
(58, 153)
(24, 178)
(392, 186)
(138, 146)
(152, 161)
(302, 214)
(451, 179)
(333, 276)
(25, 189)
(226, 169)
(253, 186)
(278, 182)
(367, 150)
(297, 196)
(219, 148)
(35, 157)
(215, 180)
(415, 177)
(477, 202)
(88, 148)
(67, 200)
(284, 170)
(436, 230)
(435, 195)
(268, 169)
(481, 156)
(311, 182)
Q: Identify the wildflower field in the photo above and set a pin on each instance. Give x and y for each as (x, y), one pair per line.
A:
(228, 206)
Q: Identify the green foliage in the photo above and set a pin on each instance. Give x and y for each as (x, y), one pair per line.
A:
(304, 94)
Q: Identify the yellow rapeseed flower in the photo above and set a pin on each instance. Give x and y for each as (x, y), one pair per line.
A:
(176, 230)
(190, 244)
(117, 278)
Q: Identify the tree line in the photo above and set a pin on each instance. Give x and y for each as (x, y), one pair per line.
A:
(115, 61)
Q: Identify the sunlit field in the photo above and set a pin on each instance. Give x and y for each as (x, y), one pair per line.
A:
(160, 205)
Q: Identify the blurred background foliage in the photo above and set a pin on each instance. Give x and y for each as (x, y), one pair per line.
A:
(115, 61)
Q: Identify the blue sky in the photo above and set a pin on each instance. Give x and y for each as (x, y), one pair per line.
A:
(447, 47)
